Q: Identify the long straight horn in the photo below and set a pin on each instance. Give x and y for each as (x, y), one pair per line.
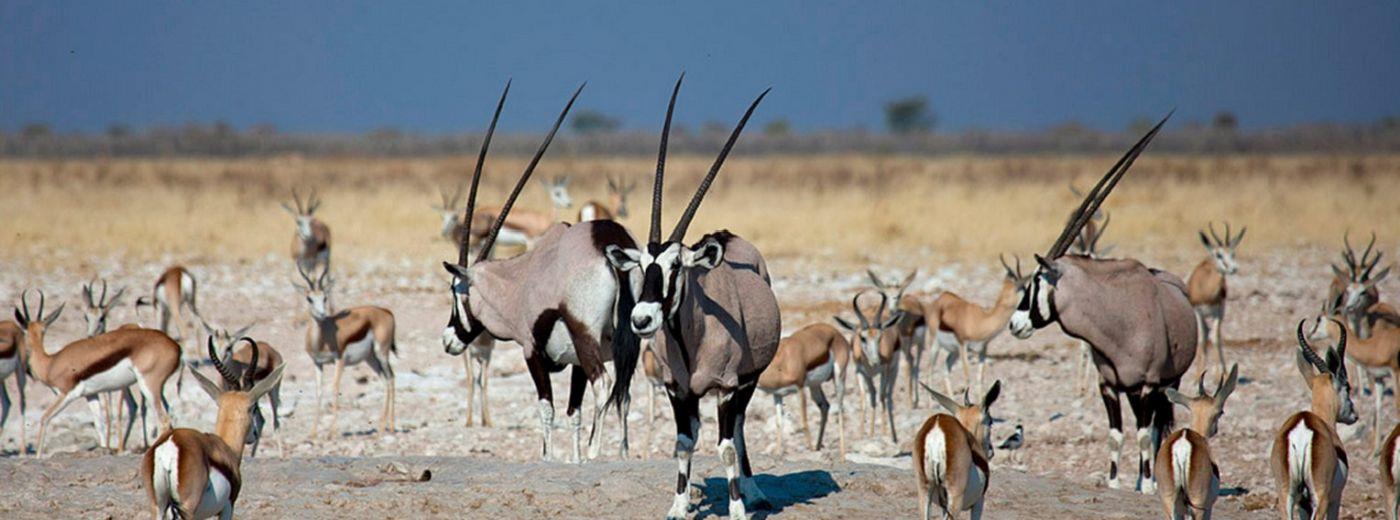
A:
(525, 178)
(658, 185)
(476, 177)
(678, 233)
(1100, 192)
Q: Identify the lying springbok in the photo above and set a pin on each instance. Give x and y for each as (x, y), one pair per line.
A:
(1206, 290)
(1190, 480)
(347, 337)
(191, 474)
(961, 326)
(311, 244)
(1086, 243)
(1378, 355)
(560, 300)
(951, 455)
(12, 362)
(1138, 321)
(1308, 459)
(1390, 477)
(174, 293)
(912, 326)
(713, 313)
(522, 227)
(614, 208)
(809, 357)
(94, 366)
(875, 343)
(257, 359)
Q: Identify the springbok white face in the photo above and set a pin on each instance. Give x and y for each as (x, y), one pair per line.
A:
(1360, 294)
(447, 209)
(867, 335)
(1222, 252)
(304, 213)
(664, 269)
(1037, 306)
(97, 307)
(558, 189)
(1331, 365)
(318, 293)
(618, 193)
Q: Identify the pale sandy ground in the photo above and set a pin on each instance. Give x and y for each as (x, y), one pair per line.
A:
(494, 471)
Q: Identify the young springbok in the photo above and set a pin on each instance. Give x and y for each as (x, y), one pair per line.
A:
(875, 342)
(1206, 290)
(912, 326)
(809, 357)
(961, 326)
(1188, 479)
(1308, 459)
(951, 455)
(616, 206)
(191, 474)
(311, 244)
(347, 337)
(94, 366)
(12, 362)
(1390, 477)
(173, 294)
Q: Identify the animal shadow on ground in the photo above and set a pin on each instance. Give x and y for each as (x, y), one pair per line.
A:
(783, 491)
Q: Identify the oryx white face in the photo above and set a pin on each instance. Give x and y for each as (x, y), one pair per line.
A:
(462, 327)
(664, 269)
(1037, 306)
(559, 192)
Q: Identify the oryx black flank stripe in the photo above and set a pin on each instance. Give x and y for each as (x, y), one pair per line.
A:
(543, 327)
(586, 346)
(606, 233)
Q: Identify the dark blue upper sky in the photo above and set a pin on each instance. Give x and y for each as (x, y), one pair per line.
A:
(436, 67)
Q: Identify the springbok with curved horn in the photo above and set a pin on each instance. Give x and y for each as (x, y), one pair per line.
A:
(614, 208)
(809, 357)
(1206, 290)
(1138, 321)
(311, 244)
(191, 474)
(875, 343)
(522, 227)
(560, 301)
(1308, 459)
(1190, 480)
(912, 326)
(348, 337)
(174, 293)
(1377, 355)
(12, 362)
(961, 326)
(951, 455)
(712, 304)
(1356, 293)
(94, 366)
(243, 355)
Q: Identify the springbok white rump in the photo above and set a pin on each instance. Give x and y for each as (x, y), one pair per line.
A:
(1189, 478)
(1308, 460)
(615, 207)
(951, 455)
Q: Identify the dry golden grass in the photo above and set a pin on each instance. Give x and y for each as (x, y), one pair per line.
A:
(846, 207)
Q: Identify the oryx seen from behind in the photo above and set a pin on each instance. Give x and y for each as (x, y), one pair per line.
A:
(1138, 321)
(1308, 459)
(1207, 291)
(711, 308)
(809, 357)
(311, 243)
(560, 300)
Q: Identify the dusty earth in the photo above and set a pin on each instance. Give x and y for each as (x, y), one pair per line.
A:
(480, 471)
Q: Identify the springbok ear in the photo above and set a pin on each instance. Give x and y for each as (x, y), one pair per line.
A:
(288, 208)
(839, 321)
(623, 259)
(459, 271)
(1378, 277)
(991, 396)
(1205, 241)
(267, 383)
(208, 386)
(707, 256)
(874, 278)
(1337, 272)
(946, 402)
(1176, 397)
(892, 320)
(54, 317)
(1228, 387)
(19, 318)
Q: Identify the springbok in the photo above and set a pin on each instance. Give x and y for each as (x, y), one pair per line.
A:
(347, 337)
(452, 228)
(311, 244)
(1308, 459)
(961, 326)
(912, 326)
(1190, 480)
(1207, 291)
(1138, 321)
(1378, 355)
(560, 300)
(12, 361)
(94, 366)
(1354, 291)
(191, 474)
(809, 357)
(951, 455)
(1390, 477)
(522, 227)
(875, 343)
(614, 208)
(97, 308)
(715, 318)
(258, 359)
(1086, 243)
(174, 292)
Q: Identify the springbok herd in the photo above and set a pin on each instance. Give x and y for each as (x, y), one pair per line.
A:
(702, 319)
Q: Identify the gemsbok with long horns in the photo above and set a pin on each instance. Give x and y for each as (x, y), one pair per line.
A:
(951, 455)
(363, 334)
(962, 327)
(94, 366)
(1188, 479)
(174, 293)
(1138, 321)
(809, 357)
(713, 313)
(1308, 459)
(560, 300)
(191, 474)
(875, 343)
(311, 243)
(1207, 291)
(615, 207)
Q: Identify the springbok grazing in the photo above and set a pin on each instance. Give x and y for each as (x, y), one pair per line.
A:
(614, 208)
(1086, 243)
(174, 293)
(1378, 355)
(951, 455)
(522, 227)
(452, 228)
(1190, 480)
(961, 326)
(347, 337)
(912, 326)
(1308, 459)
(191, 474)
(560, 300)
(1390, 477)
(12, 362)
(311, 244)
(875, 343)
(1138, 321)
(94, 366)
(1207, 291)
(714, 307)
(258, 359)
(809, 357)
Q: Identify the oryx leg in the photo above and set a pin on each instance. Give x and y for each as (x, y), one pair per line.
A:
(540, 375)
(823, 406)
(1143, 408)
(748, 488)
(578, 382)
(1115, 432)
(686, 410)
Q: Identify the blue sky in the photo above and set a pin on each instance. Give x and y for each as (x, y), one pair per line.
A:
(436, 67)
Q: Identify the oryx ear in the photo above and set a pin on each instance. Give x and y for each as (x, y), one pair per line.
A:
(460, 271)
(1205, 241)
(839, 321)
(1052, 274)
(623, 259)
(208, 386)
(991, 396)
(707, 256)
(1176, 397)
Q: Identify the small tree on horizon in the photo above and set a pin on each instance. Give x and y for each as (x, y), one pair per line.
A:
(909, 115)
(590, 121)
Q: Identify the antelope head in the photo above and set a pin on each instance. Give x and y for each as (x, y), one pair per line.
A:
(1360, 293)
(1014, 278)
(975, 417)
(665, 266)
(448, 210)
(97, 306)
(1222, 252)
(464, 325)
(317, 292)
(1326, 376)
(889, 287)
(1037, 306)
(304, 213)
(1205, 408)
(558, 189)
(34, 327)
(223, 337)
(617, 194)
(238, 397)
(868, 334)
